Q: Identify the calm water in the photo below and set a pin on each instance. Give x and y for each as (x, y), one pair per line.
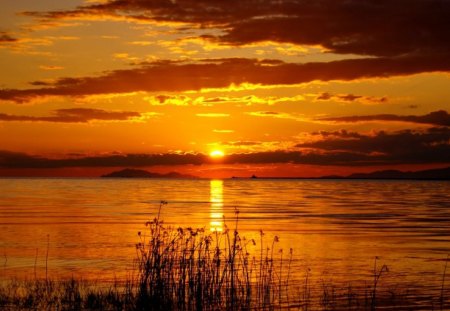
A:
(336, 228)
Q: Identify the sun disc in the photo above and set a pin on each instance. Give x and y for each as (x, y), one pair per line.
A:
(216, 154)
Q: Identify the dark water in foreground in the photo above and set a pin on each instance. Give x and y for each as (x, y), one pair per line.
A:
(336, 228)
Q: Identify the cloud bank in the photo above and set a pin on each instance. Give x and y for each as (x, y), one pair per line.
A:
(369, 27)
(340, 148)
(218, 73)
(440, 117)
(74, 115)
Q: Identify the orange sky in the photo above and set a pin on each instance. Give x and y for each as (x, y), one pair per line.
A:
(282, 88)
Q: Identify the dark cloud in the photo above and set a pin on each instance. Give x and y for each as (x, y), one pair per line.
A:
(163, 98)
(368, 27)
(183, 76)
(21, 160)
(340, 148)
(440, 117)
(227, 99)
(351, 98)
(324, 96)
(74, 115)
(406, 146)
(338, 134)
(9, 159)
(6, 38)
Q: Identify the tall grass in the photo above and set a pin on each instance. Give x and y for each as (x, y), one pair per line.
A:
(192, 269)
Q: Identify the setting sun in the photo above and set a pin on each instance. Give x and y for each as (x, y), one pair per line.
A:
(216, 154)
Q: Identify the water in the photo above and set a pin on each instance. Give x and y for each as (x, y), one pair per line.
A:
(88, 227)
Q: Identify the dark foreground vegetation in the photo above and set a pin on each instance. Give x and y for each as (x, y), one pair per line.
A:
(191, 269)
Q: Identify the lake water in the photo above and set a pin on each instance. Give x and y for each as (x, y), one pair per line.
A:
(88, 227)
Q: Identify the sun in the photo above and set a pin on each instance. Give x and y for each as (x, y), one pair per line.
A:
(216, 154)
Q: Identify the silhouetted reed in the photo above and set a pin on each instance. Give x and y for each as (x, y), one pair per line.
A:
(192, 269)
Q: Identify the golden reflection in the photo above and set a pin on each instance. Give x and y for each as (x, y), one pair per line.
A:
(216, 201)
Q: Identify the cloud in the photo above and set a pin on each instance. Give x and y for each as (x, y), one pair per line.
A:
(440, 117)
(21, 160)
(343, 134)
(407, 146)
(216, 73)
(176, 100)
(47, 67)
(183, 100)
(370, 27)
(379, 28)
(341, 148)
(277, 115)
(6, 38)
(29, 45)
(272, 114)
(75, 115)
(352, 98)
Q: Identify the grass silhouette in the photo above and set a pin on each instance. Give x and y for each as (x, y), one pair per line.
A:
(192, 269)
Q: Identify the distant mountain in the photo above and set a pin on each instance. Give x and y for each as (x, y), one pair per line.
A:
(133, 173)
(433, 174)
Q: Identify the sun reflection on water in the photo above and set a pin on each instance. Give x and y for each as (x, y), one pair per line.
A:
(216, 201)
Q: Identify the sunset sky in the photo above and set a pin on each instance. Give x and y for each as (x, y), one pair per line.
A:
(280, 87)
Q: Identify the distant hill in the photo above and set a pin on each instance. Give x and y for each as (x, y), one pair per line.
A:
(134, 173)
(433, 174)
